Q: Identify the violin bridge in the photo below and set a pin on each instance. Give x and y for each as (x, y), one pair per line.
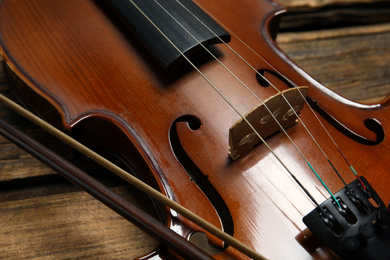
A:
(242, 138)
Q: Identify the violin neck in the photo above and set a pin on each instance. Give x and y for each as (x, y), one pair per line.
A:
(160, 28)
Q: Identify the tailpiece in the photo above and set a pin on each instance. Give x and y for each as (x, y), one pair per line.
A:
(359, 229)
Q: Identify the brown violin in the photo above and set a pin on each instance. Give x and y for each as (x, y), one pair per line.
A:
(200, 104)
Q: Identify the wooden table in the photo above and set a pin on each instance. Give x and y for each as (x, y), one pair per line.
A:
(42, 216)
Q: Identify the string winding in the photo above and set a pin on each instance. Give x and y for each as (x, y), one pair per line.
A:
(173, 205)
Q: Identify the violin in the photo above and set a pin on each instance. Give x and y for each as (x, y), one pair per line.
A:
(199, 103)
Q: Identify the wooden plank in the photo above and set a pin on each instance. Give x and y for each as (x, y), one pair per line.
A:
(70, 225)
(295, 5)
(15, 164)
(42, 216)
(317, 14)
(54, 220)
(353, 61)
(327, 55)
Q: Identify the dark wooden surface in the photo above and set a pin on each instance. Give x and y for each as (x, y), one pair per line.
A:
(42, 216)
(352, 61)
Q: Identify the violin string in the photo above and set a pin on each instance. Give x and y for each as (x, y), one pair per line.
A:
(142, 186)
(262, 102)
(274, 87)
(292, 109)
(240, 114)
(229, 103)
(292, 83)
(313, 112)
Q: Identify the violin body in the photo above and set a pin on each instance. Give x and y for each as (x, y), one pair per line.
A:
(76, 65)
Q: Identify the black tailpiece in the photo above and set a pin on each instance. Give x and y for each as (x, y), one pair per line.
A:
(360, 229)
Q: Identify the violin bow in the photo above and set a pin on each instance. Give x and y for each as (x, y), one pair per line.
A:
(66, 167)
(102, 193)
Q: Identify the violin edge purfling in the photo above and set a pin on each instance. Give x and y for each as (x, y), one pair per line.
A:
(155, 101)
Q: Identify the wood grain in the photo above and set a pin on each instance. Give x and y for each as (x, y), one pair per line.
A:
(294, 5)
(44, 217)
(353, 61)
(69, 225)
(317, 14)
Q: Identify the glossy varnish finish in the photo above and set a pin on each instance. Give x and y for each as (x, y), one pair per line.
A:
(102, 87)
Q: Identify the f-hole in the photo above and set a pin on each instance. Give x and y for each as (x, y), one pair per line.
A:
(197, 176)
(371, 123)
